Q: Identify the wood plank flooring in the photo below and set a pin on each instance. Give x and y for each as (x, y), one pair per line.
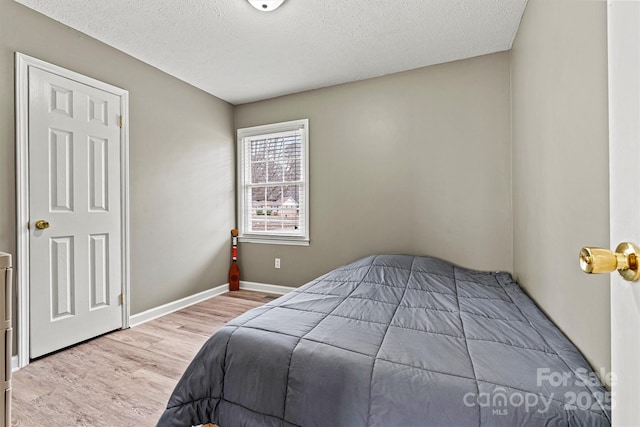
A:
(123, 378)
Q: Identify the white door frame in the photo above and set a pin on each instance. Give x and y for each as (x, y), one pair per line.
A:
(624, 176)
(23, 63)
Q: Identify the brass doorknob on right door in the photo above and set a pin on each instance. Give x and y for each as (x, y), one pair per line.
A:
(625, 259)
(42, 224)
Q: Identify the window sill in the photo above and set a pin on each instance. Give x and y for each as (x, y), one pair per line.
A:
(273, 241)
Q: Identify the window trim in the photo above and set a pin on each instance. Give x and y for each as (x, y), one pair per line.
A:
(273, 128)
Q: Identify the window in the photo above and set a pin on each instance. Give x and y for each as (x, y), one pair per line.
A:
(273, 183)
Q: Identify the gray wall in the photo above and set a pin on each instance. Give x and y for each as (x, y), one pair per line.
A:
(560, 165)
(182, 175)
(416, 162)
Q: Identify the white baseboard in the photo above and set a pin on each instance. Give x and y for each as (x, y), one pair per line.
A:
(265, 287)
(154, 313)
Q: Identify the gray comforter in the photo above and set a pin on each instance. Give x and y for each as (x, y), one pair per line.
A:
(392, 341)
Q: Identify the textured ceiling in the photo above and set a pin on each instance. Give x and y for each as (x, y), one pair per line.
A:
(239, 54)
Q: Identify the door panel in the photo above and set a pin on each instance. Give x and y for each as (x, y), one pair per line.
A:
(624, 173)
(62, 278)
(61, 170)
(99, 270)
(74, 184)
(98, 176)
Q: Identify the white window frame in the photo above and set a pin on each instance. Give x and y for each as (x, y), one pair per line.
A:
(294, 125)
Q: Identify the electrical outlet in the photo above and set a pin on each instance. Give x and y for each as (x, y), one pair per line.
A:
(277, 262)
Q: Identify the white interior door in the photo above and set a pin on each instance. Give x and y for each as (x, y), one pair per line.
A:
(75, 153)
(624, 167)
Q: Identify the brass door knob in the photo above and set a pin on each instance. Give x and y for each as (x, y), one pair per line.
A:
(42, 224)
(625, 259)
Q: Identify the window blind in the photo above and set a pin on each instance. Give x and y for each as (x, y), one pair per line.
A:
(274, 181)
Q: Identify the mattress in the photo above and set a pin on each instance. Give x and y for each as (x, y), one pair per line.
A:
(392, 340)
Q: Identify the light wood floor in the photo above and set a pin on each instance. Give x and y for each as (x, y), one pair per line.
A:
(123, 378)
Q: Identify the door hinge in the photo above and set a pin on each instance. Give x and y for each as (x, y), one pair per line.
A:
(121, 299)
(120, 122)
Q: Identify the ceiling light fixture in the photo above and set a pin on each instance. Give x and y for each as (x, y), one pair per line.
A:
(266, 5)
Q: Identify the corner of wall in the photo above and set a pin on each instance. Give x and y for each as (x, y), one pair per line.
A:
(514, 273)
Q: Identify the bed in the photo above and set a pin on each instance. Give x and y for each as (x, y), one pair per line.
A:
(392, 340)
